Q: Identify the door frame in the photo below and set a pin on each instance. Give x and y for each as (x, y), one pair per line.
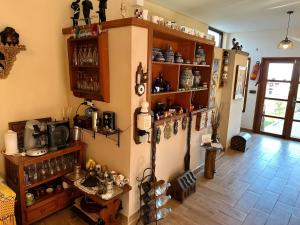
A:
(262, 91)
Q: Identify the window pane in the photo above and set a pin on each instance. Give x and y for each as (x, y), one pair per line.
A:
(280, 71)
(296, 130)
(278, 90)
(274, 108)
(272, 125)
(217, 38)
(297, 112)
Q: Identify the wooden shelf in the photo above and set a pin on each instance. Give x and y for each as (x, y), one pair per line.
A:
(37, 203)
(27, 160)
(53, 177)
(99, 74)
(170, 118)
(178, 92)
(107, 134)
(84, 67)
(181, 64)
(158, 29)
(48, 204)
(89, 38)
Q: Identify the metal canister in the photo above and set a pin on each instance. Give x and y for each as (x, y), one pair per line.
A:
(76, 133)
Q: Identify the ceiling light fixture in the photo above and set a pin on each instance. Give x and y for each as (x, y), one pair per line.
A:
(287, 43)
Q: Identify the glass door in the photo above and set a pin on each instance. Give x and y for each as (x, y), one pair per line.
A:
(295, 131)
(278, 103)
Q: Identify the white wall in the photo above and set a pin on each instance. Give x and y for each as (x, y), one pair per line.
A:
(262, 44)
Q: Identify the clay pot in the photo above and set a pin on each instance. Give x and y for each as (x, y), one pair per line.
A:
(186, 79)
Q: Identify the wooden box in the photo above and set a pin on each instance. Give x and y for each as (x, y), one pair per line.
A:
(183, 186)
(240, 142)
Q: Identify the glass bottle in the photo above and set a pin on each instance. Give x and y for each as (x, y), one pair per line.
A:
(50, 167)
(35, 173)
(155, 216)
(89, 56)
(80, 56)
(57, 166)
(43, 170)
(95, 56)
(84, 55)
(75, 57)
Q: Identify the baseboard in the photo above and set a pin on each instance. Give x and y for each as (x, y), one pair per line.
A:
(197, 171)
(132, 220)
(247, 130)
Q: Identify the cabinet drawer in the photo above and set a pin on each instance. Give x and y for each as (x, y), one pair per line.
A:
(41, 212)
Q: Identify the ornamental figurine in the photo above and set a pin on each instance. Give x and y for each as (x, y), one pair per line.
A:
(102, 10)
(9, 36)
(76, 12)
(87, 7)
(236, 45)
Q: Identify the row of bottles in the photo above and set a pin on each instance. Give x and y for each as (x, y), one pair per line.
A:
(86, 55)
(154, 198)
(86, 81)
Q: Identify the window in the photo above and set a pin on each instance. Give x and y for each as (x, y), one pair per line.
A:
(218, 36)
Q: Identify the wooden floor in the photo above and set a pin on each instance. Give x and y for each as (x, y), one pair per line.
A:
(259, 187)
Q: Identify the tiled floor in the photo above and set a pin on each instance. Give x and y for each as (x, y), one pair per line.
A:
(259, 187)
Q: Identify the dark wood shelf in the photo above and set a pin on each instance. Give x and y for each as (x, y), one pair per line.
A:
(27, 160)
(180, 64)
(99, 73)
(107, 134)
(41, 201)
(35, 184)
(178, 92)
(85, 67)
(89, 38)
(86, 92)
(47, 204)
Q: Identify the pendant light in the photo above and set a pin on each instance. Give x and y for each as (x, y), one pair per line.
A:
(286, 43)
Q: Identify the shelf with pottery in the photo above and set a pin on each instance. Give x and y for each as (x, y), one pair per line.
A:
(181, 64)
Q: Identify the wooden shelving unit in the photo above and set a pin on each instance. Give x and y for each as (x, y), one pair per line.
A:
(89, 80)
(50, 203)
(163, 37)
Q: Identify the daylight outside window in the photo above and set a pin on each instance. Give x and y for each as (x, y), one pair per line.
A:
(218, 36)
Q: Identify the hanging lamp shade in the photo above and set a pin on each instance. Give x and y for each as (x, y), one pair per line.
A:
(286, 43)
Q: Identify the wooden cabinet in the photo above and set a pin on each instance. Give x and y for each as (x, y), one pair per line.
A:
(193, 99)
(47, 204)
(88, 67)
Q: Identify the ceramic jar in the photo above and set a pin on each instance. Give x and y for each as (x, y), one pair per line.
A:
(200, 56)
(197, 78)
(186, 79)
(169, 55)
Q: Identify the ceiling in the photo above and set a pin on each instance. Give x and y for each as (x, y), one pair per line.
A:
(238, 15)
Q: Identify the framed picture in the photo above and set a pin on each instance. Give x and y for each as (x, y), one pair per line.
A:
(240, 82)
(214, 83)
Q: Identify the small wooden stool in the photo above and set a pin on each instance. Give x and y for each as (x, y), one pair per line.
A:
(210, 161)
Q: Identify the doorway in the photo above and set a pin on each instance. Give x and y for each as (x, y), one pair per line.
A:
(278, 100)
